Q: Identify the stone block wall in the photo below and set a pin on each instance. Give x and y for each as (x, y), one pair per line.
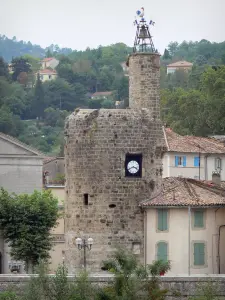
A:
(180, 288)
(96, 147)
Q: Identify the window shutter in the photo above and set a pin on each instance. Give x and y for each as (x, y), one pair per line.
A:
(184, 161)
(196, 161)
(176, 161)
(162, 251)
(199, 219)
(199, 254)
(162, 219)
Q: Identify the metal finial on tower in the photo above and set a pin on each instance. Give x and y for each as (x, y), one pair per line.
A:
(143, 40)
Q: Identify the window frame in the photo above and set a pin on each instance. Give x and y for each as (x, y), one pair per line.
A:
(180, 161)
(157, 219)
(205, 265)
(167, 249)
(193, 219)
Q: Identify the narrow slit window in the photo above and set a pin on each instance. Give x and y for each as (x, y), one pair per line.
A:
(85, 199)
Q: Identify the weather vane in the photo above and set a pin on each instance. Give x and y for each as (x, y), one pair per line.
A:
(143, 40)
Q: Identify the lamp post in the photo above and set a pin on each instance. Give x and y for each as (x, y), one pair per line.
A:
(83, 244)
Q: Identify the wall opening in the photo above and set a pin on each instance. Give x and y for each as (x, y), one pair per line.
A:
(85, 199)
(112, 205)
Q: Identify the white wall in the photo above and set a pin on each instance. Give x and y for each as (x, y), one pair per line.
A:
(178, 240)
(207, 166)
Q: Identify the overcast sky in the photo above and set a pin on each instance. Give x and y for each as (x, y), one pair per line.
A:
(80, 23)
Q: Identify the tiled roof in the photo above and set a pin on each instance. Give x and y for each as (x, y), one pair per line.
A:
(102, 94)
(47, 71)
(51, 158)
(47, 59)
(20, 144)
(181, 63)
(180, 192)
(190, 143)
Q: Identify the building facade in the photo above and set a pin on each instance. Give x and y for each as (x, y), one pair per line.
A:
(179, 65)
(113, 161)
(193, 157)
(20, 172)
(49, 62)
(185, 225)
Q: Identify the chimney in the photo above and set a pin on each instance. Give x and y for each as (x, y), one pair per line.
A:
(216, 178)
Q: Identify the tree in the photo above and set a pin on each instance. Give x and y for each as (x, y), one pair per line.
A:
(19, 65)
(26, 221)
(38, 105)
(166, 54)
(4, 71)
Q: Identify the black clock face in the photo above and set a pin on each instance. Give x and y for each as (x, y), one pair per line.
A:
(133, 165)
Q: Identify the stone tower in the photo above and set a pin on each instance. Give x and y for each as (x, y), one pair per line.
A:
(113, 162)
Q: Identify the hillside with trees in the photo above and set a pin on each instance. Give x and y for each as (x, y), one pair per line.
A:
(34, 111)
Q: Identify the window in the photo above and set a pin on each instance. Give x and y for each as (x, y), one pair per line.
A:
(162, 251)
(162, 219)
(180, 161)
(198, 219)
(197, 161)
(218, 163)
(85, 199)
(49, 76)
(199, 254)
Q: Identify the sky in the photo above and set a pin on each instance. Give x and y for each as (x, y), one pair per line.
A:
(79, 24)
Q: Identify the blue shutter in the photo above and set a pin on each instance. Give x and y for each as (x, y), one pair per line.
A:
(176, 161)
(162, 219)
(184, 161)
(162, 251)
(198, 219)
(199, 254)
(196, 161)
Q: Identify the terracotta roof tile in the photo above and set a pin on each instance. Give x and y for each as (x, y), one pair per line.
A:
(180, 192)
(188, 143)
(181, 63)
(47, 59)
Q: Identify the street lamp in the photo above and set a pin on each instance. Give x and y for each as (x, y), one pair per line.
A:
(83, 244)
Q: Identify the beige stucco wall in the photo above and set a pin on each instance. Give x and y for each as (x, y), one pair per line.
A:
(206, 169)
(177, 238)
(45, 77)
(54, 168)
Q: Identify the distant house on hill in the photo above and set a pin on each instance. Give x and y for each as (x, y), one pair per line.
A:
(49, 62)
(193, 156)
(47, 74)
(179, 65)
(102, 95)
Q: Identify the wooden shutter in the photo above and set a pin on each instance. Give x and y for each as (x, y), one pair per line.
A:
(184, 161)
(196, 161)
(162, 219)
(162, 251)
(199, 254)
(176, 161)
(199, 219)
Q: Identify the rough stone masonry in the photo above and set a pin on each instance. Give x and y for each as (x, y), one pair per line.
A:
(102, 202)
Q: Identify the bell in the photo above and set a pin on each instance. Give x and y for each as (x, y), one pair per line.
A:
(143, 33)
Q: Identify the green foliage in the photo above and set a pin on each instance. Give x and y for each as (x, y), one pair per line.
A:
(26, 221)
(20, 65)
(8, 295)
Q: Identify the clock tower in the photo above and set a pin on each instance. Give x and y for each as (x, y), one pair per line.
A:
(113, 162)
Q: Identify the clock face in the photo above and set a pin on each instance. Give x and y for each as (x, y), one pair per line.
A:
(133, 166)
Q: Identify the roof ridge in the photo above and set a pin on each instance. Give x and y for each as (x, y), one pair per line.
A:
(19, 143)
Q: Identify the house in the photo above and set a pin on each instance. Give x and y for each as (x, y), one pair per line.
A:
(102, 95)
(192, 156)
(47, 74)
(49, 62)
(179, 65)
(54, 170)
(184, 224)
(20, 172)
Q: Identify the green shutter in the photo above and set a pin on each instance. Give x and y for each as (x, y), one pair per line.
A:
(162, 251)
(199, 219)
(199, 254)
(162, 219)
